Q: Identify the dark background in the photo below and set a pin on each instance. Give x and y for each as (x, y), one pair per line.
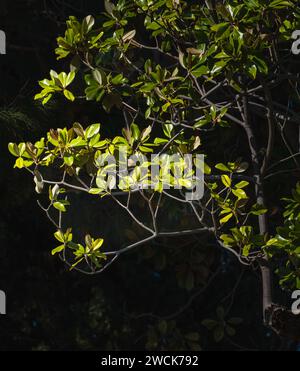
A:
(50, 308)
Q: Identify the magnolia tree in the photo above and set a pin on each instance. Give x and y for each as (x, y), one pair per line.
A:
(208, 96)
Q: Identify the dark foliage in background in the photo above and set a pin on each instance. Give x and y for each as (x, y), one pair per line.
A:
(140, 303)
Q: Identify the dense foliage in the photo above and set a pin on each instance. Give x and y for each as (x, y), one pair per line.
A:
(181, 78)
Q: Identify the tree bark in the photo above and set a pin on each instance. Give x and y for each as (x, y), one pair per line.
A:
(262, 219)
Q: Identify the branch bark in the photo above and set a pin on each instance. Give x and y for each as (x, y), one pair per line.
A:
(262, 219)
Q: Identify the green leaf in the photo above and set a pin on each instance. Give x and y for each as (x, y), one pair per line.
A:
(209, 323)
(46, 99)
(62, 77)
(220, 312)
(148, 87)
(160, 141)
(189, 280)
(222, 167)
(118, 79)
(261, 64)
(128, 36)
(226, 180)
(280, 4)
(54, 192)
(252, 70)
(235, 321)
(95, 191)
(76, 263)
(69, 160)
(258, 209)
(59, 236)
(58, 249)
(70, 78)
(239, 193)
(165, 106)
(226, 218)
(13, 149)
(146, 149)
(218, 334)
(97, 74)
(22, 148)
(242, 184)
(135, 132)
(230, 330)
(88, 24)
(92, 130)
(246, 249)
(98, 243)
(218, 67)
(222, 55)
(145, 133)
(38, 180)
(19, 163)
(168, 129)
(181, 59)
(69, 95)
(77, 142)
(59, 206)
(200, 71)
(207, 169)
(220, 27)
(109, 7)
(227, 239)
(243, 166)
